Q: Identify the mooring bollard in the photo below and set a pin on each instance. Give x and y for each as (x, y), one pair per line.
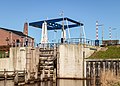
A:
(43, 74)
(16, 77)
(36, 73)
(49, 73)
(26, 77)
(41, 77)
(54, 75)
(5, 74)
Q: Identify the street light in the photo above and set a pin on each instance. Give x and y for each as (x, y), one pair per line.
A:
(102, 31)
(116, 32)
(97, 25)
(110, 33)
(63, 29)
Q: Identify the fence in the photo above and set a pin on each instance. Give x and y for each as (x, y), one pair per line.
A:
(22, 44)
(81, 41)
(69, 41)
(94, 67)
(48, 45)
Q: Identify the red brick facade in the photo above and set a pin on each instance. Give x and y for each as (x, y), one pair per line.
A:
(11, 37)
(25, 31)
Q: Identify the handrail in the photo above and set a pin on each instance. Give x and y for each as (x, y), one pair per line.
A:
(48, 45)
(81, 41)
(69, 41)
(22, 44)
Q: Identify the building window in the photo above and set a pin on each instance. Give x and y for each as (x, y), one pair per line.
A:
(7, 40)
(18, 42)
(26, 42)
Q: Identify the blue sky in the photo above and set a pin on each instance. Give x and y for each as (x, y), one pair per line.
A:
(13, 14)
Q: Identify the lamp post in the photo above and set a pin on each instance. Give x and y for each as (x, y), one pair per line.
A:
(102, 31)
(97, 25)
(110, 34)
(63, 29)
(55, 35)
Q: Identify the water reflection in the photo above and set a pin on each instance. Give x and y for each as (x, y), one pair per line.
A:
(7, 83)
(70, 82)
(59, 82)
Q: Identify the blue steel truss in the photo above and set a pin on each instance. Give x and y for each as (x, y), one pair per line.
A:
(53, 24)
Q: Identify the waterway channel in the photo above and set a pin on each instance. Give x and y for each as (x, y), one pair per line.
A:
(60, 82)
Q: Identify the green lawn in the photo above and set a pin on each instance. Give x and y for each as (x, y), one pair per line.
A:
(111, 53)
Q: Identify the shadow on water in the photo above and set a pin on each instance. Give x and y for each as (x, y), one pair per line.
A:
(60, 82)
(6, 83)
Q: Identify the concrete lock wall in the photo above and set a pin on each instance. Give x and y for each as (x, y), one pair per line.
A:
(16, 60)
(5, 64)
(70, 61)
(20, 58)
(89, 50)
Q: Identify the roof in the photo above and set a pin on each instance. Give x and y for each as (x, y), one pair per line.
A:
(16, 32)
(53, 24)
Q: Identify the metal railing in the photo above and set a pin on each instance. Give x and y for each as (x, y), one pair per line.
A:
(22, 44)
(48, 45)
(69, 41)
(80, 41)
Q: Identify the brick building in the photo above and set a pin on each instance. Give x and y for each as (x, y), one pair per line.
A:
(15, 38)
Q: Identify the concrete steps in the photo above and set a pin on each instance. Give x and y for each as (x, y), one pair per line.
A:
(46, 62)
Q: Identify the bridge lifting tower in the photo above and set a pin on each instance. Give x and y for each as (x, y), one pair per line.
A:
(54, 24)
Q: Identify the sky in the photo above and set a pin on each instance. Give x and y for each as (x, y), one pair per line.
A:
(13, 14)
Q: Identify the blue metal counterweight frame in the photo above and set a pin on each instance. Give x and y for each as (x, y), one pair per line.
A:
(57, 24)
(53, 24)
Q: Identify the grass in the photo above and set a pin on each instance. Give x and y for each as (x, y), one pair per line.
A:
(111, 53)
(109, 79)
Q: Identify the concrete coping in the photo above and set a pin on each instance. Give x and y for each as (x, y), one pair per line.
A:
(101, 60)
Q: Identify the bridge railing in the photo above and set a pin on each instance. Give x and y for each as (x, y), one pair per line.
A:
(22, 44)
(81, 41)
(69, 41)
(48, 45)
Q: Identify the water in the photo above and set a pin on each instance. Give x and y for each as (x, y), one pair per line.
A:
(47, 83)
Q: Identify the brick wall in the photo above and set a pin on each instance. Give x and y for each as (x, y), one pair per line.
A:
(8, 38)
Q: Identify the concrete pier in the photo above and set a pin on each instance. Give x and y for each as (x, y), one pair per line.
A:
(70, 63)
(66, 61)
(95, 67)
